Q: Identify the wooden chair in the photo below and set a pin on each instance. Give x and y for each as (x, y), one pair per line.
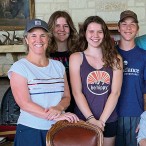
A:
(81, 133)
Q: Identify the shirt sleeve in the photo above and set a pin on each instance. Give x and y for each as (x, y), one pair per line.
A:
(19, 68)
(142, 130)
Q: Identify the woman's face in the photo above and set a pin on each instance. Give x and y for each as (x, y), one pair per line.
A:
(61, 30)
(94, 35)
(37, 41)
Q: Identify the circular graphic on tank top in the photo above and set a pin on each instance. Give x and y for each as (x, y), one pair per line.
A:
(98, 82)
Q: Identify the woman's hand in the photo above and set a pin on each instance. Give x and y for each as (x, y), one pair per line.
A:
(70, 117)
(98, 123)
(137, 129)
(53, 112)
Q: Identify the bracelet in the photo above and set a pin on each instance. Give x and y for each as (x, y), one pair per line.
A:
(90, 117)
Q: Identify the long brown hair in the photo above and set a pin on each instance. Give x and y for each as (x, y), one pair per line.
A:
(73, 32)
(109, 51)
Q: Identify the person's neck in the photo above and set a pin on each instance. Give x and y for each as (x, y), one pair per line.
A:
(38, 60)
(62, 46)
(97, 52)
(126, 45)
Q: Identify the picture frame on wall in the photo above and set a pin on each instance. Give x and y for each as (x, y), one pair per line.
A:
(15, 13)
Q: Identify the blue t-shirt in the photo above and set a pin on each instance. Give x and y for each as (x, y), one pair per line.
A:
(141, 41)
(131, 101)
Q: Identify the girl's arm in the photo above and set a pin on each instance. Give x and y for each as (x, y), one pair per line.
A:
(55, 111)
(115, 92)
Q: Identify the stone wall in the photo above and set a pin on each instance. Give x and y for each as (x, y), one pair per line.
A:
(109, 10)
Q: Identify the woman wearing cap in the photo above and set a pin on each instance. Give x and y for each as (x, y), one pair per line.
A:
(131, 101)
(62, 42)
(40, 88)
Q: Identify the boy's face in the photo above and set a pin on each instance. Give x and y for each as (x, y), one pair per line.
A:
(128, 29)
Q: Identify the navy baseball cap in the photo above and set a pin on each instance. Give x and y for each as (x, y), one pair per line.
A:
(36, 23)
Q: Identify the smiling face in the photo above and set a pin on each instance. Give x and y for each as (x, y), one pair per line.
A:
(94, 35)
(61, 30)
(37, 40)
(128, 29)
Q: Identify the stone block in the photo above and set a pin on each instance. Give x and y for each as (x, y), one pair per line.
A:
(141, 13)
(80, 15)
(43, 1)
(76, 4)
(141, 32)
(91, 4)
(4, 69)
(110, 6)
(60, 1)
(140, 3)
(43, 8)
(131, 3)
(59, 6)
(110, 17)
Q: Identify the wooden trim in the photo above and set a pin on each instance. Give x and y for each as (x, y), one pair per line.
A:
(12, 49)
(112, 26)
(7, 132)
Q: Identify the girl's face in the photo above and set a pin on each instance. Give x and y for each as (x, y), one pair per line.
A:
(128, 29)
(61, 30)
(94, 35)
(37, 40)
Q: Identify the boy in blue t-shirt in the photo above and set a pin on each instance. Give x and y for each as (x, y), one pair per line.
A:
(131, 102)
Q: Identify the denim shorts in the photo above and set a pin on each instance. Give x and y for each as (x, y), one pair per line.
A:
(27, 136)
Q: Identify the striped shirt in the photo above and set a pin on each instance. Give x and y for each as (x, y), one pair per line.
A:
(46, 88)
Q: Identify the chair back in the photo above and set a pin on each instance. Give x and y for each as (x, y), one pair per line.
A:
(81, 133)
